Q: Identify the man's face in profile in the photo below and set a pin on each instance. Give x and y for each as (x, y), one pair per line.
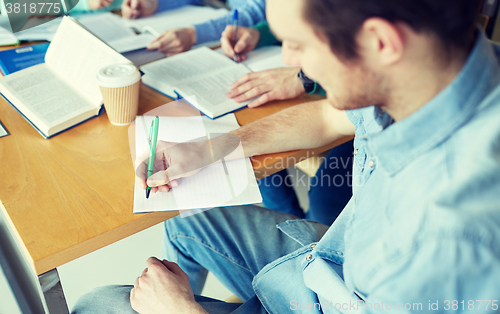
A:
(349, 84)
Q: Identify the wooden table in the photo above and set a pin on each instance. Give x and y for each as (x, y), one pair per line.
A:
(73, 194)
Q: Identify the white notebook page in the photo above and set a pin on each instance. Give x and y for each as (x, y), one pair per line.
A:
(211, 186)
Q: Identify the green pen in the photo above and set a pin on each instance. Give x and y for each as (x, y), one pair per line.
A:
(153, 137)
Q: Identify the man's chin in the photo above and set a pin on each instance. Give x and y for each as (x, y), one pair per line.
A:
(340, 105)
(344, 104)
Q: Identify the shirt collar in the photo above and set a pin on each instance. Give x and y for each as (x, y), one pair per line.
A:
(400, 143)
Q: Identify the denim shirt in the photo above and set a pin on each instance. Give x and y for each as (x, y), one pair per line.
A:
(422, 230)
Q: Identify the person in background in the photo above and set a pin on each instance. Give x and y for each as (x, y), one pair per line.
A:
(178, 40)
(331, 188)
(140, 7)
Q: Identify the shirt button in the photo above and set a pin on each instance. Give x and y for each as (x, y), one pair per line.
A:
(308, 257)
(355, 152)
(371, 163)
(313, 246)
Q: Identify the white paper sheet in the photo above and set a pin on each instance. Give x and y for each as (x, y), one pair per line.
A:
(211, 186)
(264, 58)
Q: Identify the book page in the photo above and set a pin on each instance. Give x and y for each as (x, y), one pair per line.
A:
(43, 96)
(131, 43)
(265, 58)
(231, 183)
(78, 55)
(210, 91)
(185, 66)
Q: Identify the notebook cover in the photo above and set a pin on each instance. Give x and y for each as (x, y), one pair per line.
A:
(19, 58)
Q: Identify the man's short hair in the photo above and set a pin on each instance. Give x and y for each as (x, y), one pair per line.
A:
(452, 21)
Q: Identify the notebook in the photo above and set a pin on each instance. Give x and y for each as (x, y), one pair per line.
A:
(207, 75)
(202, 73)
(229, 184)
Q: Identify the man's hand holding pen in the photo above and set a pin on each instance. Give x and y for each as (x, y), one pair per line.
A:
(174, 161)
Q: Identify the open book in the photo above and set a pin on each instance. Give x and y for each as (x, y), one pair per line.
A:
(117, 32)
(207, 75)
(122, 34)
(62, 92)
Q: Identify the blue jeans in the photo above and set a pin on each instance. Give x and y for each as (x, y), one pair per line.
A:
(330, 189)
(234, 243)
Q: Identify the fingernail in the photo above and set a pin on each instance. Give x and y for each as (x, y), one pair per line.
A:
(229, 94)
(174, 183)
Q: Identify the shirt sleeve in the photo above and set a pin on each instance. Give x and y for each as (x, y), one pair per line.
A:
(266, 36)
(165, 5)
(444, 275)
(83, 7)
(252, 13)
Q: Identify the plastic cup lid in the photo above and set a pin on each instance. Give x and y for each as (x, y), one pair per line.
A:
(118, 75)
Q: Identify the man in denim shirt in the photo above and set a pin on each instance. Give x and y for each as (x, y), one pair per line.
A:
(422, 230)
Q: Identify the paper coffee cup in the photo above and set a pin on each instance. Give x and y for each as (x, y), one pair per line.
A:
(119, 84)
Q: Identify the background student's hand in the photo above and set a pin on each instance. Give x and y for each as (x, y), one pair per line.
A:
(163, 288)
(174, 41)
(281, 83)
(179, 159)
(248, 38)
(99, 4)
(132, 9)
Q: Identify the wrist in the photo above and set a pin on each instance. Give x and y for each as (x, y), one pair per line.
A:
(255, 34)
(190, 307)
(155, 6)
(225, 147)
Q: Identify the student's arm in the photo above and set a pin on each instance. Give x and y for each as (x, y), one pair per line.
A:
(163, 288)
(252, 13)
(87, 6)
(268, 85)
(303, 126)
(165, 5)
(132, 9)
(181, 39)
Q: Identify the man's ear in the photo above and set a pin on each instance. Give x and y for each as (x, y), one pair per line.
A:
(381, 42)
